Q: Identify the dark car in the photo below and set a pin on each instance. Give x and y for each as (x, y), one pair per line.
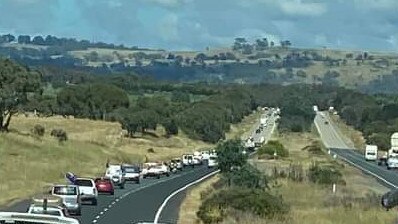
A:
(104, 185)
(258, 131)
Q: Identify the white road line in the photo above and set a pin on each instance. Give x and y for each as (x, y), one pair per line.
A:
(158, 213)
(367, 171)
(147, 186)
(352, 163)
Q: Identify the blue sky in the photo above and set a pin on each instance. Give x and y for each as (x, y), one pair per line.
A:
(195, 24)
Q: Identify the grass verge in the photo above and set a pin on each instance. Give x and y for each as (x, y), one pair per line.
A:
(29, 163)
(356, 201)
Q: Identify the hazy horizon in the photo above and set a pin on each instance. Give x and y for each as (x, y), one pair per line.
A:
(195, 25)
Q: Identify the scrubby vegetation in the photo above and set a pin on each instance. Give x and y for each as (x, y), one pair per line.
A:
(242, 187)
(273, 148)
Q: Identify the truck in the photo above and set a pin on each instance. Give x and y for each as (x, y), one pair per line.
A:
(371, 152)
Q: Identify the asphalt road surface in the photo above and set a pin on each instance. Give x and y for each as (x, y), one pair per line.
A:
(334, 141)
(140, 202)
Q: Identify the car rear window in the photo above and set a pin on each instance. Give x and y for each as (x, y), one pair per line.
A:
(131, 169)
(65, 190)
(102, 181)
(84, 183)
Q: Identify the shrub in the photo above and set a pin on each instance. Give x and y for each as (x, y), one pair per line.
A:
(38, 130)
(248, 176)
(314, 148)
(274, 147)
(324, 174)
(59, 134)
(255, 201)
(150, 150)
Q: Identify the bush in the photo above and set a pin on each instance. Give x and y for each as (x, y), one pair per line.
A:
(325, 174)
(274, 147)
(59, 134)
(248, 176)
(314, 148)
(38, 130)
(256, 201)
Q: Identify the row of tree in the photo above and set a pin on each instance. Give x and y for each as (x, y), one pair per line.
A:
(49, 40)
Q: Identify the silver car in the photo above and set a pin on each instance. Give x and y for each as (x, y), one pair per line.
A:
(70, 196)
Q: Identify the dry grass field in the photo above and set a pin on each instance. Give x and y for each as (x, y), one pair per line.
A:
(357, 201)
(30, 163)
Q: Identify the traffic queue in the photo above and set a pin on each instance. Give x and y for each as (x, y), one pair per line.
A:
(63, 202)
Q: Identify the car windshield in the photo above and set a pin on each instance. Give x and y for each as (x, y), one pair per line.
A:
(84, 183)
(65, 190)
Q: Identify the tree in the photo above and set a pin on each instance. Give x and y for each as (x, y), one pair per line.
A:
(16, 83)
(38, 40)
(24, 39)
(230, 155)
(248, 177)
(171, 127)
(286, 43)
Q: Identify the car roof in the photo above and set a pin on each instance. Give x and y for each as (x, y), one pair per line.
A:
(84, 178)
(65, 185)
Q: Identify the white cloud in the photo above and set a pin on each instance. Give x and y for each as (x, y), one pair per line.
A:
(168, 27)
(168, 3)
(377, 4)
(303, 8)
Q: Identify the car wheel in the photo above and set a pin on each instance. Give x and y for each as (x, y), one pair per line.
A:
(79, 212)
(122, 186)
(138, 181)
(112, 193)
(167, 174)
(144, 177)
(94, 202)
(388, 167)
(158, 176)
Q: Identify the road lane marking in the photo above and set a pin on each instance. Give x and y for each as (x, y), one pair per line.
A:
(367, 171)
(351, 162)
(150, 185)
(159, 211)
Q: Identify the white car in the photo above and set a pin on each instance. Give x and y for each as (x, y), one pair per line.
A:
(88, 190)
(116, 174)
(70, 196)
(205, 155)
(392, 162)
(187, 160)
(155, 170)
(132, 173)
(197, 158)
(17, 217)
(48, 205)
(176, 164)
(212, 162)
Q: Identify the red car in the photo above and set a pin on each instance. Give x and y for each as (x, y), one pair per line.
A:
(104, 185)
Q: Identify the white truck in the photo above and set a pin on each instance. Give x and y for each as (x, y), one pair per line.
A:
(371, 152)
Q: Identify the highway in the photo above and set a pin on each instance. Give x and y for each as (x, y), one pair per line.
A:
(140, 202)
(333, 140)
